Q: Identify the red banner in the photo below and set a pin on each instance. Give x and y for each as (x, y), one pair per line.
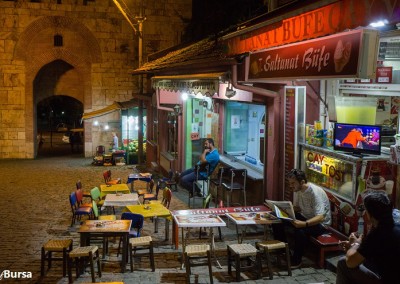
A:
(333, 56)
(330, 19)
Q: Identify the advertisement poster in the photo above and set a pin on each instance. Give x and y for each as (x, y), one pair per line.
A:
(235, 121)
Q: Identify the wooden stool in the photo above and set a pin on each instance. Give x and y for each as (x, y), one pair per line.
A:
(196, 252)
(239, 252)
(273, 246)
(141, 243)
(80, 254)
(51, 246)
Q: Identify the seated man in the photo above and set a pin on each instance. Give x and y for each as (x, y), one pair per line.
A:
(373, 258)
(313, 213)
(209, 156)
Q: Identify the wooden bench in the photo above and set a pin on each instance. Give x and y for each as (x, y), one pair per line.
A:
(326, 243)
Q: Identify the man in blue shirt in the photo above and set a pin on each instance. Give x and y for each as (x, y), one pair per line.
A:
(210, 157)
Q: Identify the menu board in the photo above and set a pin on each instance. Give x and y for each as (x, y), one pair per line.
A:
(389, 48)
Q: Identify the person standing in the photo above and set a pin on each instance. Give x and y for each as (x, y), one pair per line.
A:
(209, 156)
(313, 213)
(115, 141)
(373, 258)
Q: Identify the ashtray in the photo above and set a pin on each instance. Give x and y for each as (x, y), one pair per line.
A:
(100, 224)
(118, 193)
(146, 207)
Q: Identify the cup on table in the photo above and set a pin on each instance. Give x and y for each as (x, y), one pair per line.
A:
(389, 186)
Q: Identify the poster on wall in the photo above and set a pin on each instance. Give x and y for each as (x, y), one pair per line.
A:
(235, 121)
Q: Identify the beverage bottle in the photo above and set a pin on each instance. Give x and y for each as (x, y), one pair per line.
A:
(360, 227)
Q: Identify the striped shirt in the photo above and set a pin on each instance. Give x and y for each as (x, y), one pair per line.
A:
(312, 202)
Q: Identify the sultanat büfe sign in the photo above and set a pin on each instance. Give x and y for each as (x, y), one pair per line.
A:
(334, 56)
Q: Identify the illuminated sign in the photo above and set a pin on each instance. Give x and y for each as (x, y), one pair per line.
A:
(339, 55)
(330, 19)
(324, 165)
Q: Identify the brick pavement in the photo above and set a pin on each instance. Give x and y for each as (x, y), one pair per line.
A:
(34, 208)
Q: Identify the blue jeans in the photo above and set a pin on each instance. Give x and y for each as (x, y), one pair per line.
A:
(360, 274)
(188, 177)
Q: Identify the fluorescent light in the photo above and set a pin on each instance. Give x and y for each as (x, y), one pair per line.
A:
(184, 96)
(378, 24)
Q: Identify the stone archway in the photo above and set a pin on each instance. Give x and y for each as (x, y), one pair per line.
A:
(80, 49)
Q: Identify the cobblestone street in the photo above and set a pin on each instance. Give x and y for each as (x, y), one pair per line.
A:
(34, 208)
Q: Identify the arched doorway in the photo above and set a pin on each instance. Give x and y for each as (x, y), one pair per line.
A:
(58, 94)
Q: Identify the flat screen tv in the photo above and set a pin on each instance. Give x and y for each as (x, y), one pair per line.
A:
(358, 139)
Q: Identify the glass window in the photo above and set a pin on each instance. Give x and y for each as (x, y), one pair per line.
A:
(244, 129)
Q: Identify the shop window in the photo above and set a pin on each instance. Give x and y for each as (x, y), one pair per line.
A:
(244, 132)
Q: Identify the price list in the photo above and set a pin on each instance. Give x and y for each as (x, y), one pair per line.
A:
(389, 50)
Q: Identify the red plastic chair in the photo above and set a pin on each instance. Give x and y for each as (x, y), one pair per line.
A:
(108, 180)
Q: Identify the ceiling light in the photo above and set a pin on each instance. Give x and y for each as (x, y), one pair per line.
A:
(378, 24)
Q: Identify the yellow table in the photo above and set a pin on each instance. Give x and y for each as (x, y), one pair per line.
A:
(154, 211)
(105, 189)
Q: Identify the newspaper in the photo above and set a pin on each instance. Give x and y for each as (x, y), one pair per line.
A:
(282, 209)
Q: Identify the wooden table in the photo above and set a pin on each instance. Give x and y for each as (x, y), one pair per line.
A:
(104, 229)
(156, 210)
(251, 218)
(121, 200)
(199, 221)
(115, 188)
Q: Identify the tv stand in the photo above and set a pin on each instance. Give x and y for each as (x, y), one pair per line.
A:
(359, 155)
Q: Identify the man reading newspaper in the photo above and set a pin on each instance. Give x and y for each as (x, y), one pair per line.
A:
(312, 213)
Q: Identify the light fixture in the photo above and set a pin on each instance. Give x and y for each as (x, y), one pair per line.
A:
(229, 93)
(184, 96)
(95, 123)
(177, 109)
(379, 24)
(106, 127)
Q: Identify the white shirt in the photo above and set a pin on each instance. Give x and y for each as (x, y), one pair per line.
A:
(115, 142)
(312, 202)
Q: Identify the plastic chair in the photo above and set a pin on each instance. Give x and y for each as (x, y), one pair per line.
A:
(95, 194)
(136, 226)
(108, 180)
(79, 198)
(78, 212)
(237, 181)
(151, 196)
(79, 186)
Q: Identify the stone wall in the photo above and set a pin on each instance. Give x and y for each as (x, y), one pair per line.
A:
(99, 46)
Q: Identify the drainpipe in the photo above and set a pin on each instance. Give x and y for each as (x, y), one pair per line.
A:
(259, 91)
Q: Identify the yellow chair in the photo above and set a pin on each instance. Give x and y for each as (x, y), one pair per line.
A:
(274, 246)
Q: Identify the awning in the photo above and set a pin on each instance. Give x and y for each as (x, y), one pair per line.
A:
(202, 82)
(111, 108)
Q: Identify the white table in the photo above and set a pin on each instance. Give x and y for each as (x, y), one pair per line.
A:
(199, 221)
(252, 218)
(121, 200)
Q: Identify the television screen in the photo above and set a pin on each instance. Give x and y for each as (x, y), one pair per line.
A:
(357, 138)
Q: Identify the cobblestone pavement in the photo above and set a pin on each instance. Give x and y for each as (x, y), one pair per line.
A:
(34, 208)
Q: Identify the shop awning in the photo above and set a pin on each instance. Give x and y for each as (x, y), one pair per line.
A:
(111, 108)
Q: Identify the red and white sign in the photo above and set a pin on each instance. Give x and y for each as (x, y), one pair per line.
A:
(384, 74)
(336, 56)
